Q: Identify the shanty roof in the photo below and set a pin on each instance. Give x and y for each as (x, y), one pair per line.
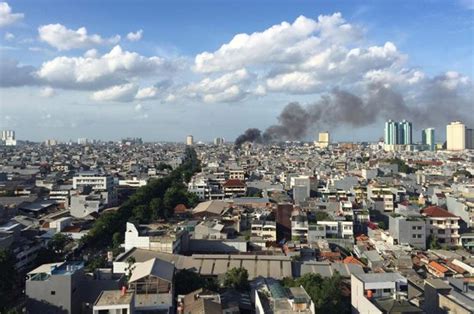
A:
(154, 267)
(213, 207)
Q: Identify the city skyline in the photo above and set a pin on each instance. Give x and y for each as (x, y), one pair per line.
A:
(82, 70)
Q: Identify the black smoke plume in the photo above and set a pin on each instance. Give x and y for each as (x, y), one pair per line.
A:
(435, 106)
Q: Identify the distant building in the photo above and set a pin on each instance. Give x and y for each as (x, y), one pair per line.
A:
(219, 141)
(51, 142)
(8, 138)
(469, 138)
(456, 136)
(189, 140)
(428, 138)
(398, 135)
(323, 140)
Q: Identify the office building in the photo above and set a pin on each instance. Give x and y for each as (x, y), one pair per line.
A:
(456, 136)
(189, 140)
(428, 138)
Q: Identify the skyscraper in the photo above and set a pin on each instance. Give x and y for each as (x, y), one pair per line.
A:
(391, 132)
(456, 136)
(428, 138)
(405, 133)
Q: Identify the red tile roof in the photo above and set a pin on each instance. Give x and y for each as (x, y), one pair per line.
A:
(435, 211)
(234, 183)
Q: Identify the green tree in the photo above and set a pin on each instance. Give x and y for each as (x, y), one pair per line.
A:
(432, 243)
(58, 243)
(325, 292)
(237, 278)
(97, 261)
(8, 280)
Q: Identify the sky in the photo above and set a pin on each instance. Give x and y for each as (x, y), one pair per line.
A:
(161, 70)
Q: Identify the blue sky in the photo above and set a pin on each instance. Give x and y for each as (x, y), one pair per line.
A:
(431, 39)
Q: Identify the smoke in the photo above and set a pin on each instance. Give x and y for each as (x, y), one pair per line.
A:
(435, 105)
(250, 135)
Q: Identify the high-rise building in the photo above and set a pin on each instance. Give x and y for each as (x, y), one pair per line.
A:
(428, 138)
(469, 138)
(405, 133)
(8, 138)
(219, 141)
(398, 133)
(189, 140)
(391, 133)
(323, 139)
(455, 136)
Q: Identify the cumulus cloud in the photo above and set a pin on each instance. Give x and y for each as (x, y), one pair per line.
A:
(9, 36)
(147, 93)
(225, 88)
(47, 92)
(282, 43)
(62, 38)
(121, 93)
(7, 17)
(135, 36)
(91, 72)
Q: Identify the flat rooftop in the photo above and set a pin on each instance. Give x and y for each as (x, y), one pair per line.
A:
(114, 297)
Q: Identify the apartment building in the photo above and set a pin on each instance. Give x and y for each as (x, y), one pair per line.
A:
(442, 225)
(264, 229)
(158, 238)
(299, 226)
(380, 293)
(408, 230)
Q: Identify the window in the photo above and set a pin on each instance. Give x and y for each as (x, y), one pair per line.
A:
(387, 290)
(441, 231)
(53, 292)
(413, 228)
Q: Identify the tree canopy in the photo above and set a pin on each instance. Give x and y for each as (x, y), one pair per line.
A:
(237, 278)
(156, 200)
(325, 292)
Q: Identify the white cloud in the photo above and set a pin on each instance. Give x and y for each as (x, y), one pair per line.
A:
(294, 82)
(122, 93)
(227, 87)
(114, 68)
(283, 43)
(135, 36)
(452, 80)
(9, 36)
(147, 93)
(91, 53)
(6, 15)
(231, 94)
(62, 38)
(170, 98)
(47, 92)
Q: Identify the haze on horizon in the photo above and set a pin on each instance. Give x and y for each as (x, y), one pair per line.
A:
(163, 70)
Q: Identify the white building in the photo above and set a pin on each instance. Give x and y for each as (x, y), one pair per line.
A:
(189, 140)
(368, 291)
(8, 138)
(323, 140)
(456, 136)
